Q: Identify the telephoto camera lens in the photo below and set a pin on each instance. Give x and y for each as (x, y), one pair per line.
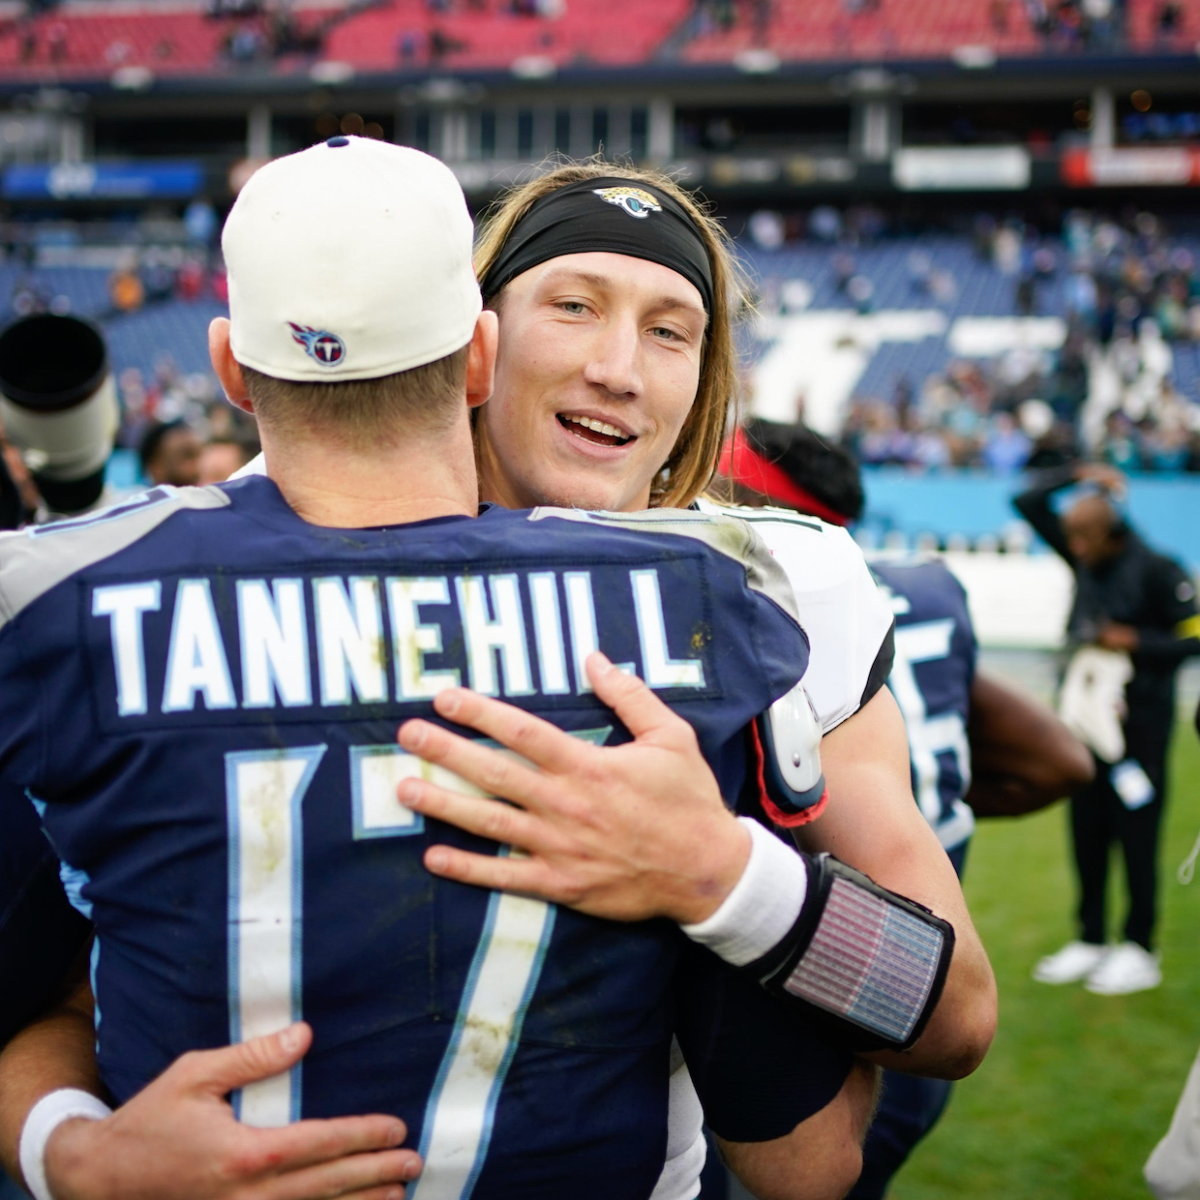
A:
(58, 405)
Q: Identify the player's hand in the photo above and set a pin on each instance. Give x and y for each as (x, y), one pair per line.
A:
(626, 832)
(178, 1139)
(1114, 636)
(1103, 475)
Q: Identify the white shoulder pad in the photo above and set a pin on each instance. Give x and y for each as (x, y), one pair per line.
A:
(845, 615)
(793, 743)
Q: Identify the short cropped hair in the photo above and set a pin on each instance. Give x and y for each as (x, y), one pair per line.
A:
(361, 413)
(693, 460)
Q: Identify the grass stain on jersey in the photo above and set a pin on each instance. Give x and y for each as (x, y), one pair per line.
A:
(379, 653)
(265, 804)
(730, 537)
(488, 1042)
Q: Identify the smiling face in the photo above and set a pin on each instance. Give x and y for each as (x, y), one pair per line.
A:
(598, 368)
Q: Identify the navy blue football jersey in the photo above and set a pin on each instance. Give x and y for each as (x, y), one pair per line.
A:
(931, 679)
(201, 694)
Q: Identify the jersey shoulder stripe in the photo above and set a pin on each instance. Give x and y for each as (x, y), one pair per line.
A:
(33, 561)
(724, 532)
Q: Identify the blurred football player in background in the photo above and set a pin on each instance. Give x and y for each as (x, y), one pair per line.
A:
(978, 747)
(170, 453)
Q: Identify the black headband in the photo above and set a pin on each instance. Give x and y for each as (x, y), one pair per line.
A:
(621, 216)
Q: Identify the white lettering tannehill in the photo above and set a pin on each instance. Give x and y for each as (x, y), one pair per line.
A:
(351, 660)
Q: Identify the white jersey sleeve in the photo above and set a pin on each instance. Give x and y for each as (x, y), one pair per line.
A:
(847, 619)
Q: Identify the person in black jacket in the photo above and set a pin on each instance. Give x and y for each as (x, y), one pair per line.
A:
(1140, 606)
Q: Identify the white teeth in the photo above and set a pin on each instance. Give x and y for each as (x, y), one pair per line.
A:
(599, 427)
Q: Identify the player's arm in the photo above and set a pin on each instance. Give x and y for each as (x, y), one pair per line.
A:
(640, 830)
(1022, 756)
(873, 824)
(788, 1104)
(177, 1139)
(821, 1159)
(41, 935)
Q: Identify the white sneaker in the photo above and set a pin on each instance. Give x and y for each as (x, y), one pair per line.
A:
(1075, 961)
(1126, 968)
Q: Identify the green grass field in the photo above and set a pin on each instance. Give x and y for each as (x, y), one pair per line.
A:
(1077, 1088)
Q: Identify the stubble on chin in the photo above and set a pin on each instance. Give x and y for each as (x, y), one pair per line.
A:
(564, 495)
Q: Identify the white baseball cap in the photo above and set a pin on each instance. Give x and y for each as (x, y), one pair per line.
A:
(349, 260)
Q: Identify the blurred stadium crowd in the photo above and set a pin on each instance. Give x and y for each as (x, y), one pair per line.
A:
(1094, 346)
(1118, 379)
(210, 35)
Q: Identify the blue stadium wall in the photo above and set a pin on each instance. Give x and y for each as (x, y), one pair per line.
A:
(1165, 510)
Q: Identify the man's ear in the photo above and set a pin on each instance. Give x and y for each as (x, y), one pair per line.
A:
(228, 369)
(481, 358)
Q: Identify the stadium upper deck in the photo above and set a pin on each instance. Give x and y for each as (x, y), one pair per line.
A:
(91, 38)
(892, 30)
(80, 40)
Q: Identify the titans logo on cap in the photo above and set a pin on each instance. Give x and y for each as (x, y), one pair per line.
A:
(327, 348)
(633, 200)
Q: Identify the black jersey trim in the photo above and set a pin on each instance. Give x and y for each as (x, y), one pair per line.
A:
(881, 668)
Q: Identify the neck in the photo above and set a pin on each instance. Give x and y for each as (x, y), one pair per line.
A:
(394, 484)
(494, 486)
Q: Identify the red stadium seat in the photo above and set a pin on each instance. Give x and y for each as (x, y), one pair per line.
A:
(481, 35)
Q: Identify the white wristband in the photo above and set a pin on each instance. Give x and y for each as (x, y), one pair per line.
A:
(44, 1118)
(763, 906)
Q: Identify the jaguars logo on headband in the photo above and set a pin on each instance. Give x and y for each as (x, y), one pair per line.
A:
(633, 200)
(327, 348)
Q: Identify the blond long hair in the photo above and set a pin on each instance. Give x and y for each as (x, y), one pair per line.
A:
(693, 460)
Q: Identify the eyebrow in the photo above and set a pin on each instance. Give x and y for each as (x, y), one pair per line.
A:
(666, 303)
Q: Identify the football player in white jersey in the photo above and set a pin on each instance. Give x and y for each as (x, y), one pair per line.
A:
(614, 387)
(587, 371)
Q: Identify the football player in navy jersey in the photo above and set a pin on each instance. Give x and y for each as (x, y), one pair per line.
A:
(226, 668)
(689, 466)
(975, 744)
(167, 638)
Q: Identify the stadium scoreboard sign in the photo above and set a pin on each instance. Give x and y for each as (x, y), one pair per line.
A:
(1133, 166)
(956, 169)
